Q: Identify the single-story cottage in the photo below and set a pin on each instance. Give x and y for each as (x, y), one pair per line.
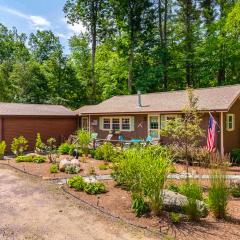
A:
(29, 119)
(140, 115)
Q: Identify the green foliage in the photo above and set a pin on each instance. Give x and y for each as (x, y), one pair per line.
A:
(77, 183)
(218, 194)
(235, 156)
(173, 187)
(2, 148)
(66, 148)
(105, 152)
(54, 168)
(144, 171)
(71, 169)
(31, 158)
(103, 167)
(84, 139)
(235, 190)
(39, 159)
(95, 188)
(193, 191)
(19, 145)
(139, 205)
(51, 149)
(175, 217)
(39, 146)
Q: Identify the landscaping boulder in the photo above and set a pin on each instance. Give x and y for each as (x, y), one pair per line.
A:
(75, 162)
(175, 202)
(63, 164)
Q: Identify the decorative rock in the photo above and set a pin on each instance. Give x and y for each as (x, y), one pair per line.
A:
(175, 202)
(75, 162)
(63, 164)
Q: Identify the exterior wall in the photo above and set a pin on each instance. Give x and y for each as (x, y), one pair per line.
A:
(232, 138)
(57, 127)
(140, 127)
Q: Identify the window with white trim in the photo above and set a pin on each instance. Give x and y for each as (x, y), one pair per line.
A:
(230, 122)
(168, 117)
(117, 123)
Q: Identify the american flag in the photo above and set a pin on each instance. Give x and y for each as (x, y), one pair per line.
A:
(211, 138)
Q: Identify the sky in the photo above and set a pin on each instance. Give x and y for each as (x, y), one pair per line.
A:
(31, 15)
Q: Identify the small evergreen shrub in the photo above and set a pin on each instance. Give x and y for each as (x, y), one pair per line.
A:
(77, 183)
(105, 152)
(139, 206)
(19, 145)
(27, 158)
(39, 146)
(2, 148)
(103, 167)
(66, 148)
(54, 168)
(173, 187)
(218, 194)
(235, 156)
(175, 217)
(95, 188)
(235, 190)
(39, 159)
(71, 169)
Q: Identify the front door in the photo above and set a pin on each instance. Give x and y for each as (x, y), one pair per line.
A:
(154, 126)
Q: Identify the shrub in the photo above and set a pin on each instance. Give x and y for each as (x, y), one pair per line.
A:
(51, 150)
(175, 217)
(77, 183)
(106, 152)
(103, 167)
(193, 191)
(218, 194)
(27, 158)
(139, 205)
(173, 187)
(144, 171)
(2, 148)
(19, 145)
(235, 156)
(235, 190)
(95, 188)
(54, 168)
(66, 148)
(39, 159)
(84, 139)
(91, 170)
(39, 146)
(71, 169)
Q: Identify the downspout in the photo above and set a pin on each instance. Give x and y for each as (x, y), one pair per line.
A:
(222, 139)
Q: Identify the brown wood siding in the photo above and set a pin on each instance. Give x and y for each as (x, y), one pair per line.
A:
(59, 128)
(232, 138)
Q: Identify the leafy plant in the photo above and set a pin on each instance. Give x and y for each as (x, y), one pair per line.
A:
(193, 191)
(175, 217)
(39, 159)
(77, 182)
(84, 139)
(54, 168)
(2, 148)
(139, 205)
(103, 167)
(235, 156)
(173, 187)
(218, 194)
(235, 190)
(66, 148)
(95, 188)
(105, 152)
(51, 149)
(39, 146)
(27, 158)
(72, 169)
(19, 145)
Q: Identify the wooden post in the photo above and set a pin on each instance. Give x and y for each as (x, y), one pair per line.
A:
(222, 138)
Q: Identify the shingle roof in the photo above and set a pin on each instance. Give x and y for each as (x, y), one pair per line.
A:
(214, 99)
(21, 109)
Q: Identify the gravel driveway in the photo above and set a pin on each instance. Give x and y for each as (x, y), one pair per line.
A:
(32, 209)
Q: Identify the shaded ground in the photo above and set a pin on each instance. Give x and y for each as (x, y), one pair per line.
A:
(31, 209)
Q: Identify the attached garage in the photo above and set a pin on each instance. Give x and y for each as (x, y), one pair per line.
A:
(29, 119)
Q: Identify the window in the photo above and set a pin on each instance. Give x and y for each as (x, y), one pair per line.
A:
(230, 122)
(106, 123)
(165, 118)
(117, 123)
(125, 123)
(153, 126)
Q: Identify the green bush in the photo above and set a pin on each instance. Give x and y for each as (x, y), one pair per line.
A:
(103, 167)
(27, 158)
(218, 194)
(66, 148)
(173, 187)
(19, 145)
(175, 217)
(144, 171)
(39, 159)
(77, 183)
(95, 188)
(193, 191)
(2, 148)
(235, 156)
(139, 205)
(71, 169)
(84, 139)
(39, 146)
(54, 168)
(105, 152)
(235, 190)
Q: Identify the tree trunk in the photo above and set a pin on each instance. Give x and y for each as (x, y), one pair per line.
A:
(165, 63)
